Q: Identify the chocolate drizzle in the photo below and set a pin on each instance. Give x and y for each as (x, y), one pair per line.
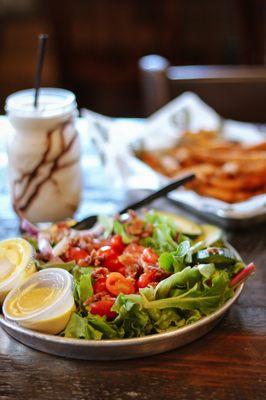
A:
(30, 181)
(27, 177)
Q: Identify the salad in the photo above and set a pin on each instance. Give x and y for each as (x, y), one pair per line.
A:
(139, 274)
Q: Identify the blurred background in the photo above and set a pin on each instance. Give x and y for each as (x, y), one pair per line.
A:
(95, 45)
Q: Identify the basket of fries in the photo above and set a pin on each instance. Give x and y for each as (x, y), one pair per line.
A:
(228, 158)
(225, 170)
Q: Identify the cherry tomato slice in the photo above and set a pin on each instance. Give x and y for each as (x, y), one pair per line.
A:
(116, 283)
(99, 285)
(75, 253)
(117, 244)
(107, 252)
(146, 278)
(149, 255)
(110, 259)
(103, 307)
(114, 265)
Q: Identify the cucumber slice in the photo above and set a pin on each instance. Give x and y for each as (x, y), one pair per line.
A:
(210, 234)
(219, 256)
(182, 224)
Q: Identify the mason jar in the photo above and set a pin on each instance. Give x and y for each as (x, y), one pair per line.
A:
(44, 154)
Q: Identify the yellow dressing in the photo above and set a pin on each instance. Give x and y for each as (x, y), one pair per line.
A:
(15, 259)
(10, 259)
(52, 325)
(32, 299)
(12, 253)
(6, 269)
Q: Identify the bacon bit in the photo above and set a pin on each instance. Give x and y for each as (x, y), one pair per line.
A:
(88, 301)
(176, 238)
(83, 263)
(149, 228)
(131, 263)
(99, 273)
(128, 259)
(131, 259)
(135, 227)
(160, 273)
(92, 259)
(134, 249)
(98, 296)
(145, 235)
(213, 250)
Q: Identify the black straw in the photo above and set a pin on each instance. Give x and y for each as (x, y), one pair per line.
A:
(41, 52)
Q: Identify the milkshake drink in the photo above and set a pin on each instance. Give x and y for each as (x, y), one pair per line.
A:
(44, 154)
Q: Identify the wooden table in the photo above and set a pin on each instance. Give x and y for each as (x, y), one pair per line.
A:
(228, 363)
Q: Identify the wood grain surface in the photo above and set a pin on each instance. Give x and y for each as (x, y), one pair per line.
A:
(228, 363)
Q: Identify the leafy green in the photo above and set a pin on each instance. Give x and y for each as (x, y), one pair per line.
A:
(194, 317)
(89, 327)
(32, 241)
(79, 328)
(234, 269)
(175, 260)
(132, 320)
(162, 239)
(156, 218)
(206, 270)
(197, 246)
(166, 261)
(168, 319)
(164, 232)
(187, 277)
(176, 292)
(68, 266)
(119, 229)
(83, 287)
(109, 331)
(107, 223)
(77, 271)
(197, 285)
(205, 300)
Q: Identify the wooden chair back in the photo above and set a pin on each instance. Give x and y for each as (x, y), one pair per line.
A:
(236, 92)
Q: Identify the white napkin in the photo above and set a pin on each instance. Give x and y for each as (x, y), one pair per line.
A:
(116, 140)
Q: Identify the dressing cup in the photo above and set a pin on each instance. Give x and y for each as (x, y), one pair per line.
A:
(51, 317)
(16, 264)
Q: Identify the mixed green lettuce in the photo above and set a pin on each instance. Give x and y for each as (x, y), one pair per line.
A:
(192, 290)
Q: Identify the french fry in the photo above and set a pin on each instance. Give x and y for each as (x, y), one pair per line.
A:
(226, 170)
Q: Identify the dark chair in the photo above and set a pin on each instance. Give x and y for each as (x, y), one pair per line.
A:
(237, 92)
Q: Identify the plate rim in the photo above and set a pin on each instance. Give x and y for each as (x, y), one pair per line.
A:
(127, 341)
(142, 340)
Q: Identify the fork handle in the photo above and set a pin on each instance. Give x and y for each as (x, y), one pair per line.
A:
(159, 193)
